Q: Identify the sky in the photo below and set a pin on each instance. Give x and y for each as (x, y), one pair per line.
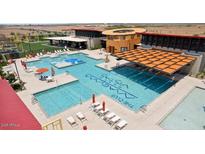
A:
(101, 11)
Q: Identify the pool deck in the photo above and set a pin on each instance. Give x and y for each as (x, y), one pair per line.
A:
(155, 112)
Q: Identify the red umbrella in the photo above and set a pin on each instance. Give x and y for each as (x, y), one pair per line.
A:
(93, 98)
(42, 70)
(103, 104)
(25, 65)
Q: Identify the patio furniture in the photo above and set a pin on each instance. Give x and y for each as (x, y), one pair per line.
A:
(49, 79)
(98, 108)
(29, 70)
(102, 113)
(108, 116)
(81, 116)
(121, 124)
(114, 120)
(72, 121)
(93, 105)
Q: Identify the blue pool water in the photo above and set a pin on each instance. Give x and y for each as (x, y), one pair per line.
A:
(189, 114)
(127, 85)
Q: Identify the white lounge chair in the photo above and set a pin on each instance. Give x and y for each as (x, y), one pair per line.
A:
(95, 104)
(102, 113)
(71, 121)
(108, 116)
(121, 124)
(29, 70)
(41, 54)
(98, 108)
(114, 120)
(38, 54)
(49, 79)
(81, 116)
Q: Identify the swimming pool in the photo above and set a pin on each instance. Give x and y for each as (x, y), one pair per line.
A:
(189, 114)
(127, 85)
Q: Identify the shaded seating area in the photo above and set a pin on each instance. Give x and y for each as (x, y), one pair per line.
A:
(160, 60)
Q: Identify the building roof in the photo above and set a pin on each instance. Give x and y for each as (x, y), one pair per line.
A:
(163, 61)
(124, 31)
(14, 115)
(171, 35)
(85, 28)
(67, 38)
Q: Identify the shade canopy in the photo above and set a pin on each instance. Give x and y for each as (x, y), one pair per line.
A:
(164, 61)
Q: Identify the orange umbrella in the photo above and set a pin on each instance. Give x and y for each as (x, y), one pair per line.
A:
(42, 70)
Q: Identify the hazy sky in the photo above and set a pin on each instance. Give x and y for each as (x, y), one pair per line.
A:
(108, 11)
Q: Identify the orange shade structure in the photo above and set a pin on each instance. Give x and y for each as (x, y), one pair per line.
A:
(131, 58)
(169, 62)
(146, 62)
(169, 70)
(42, 70)
(176, 60)
(176, 67)
(162, 66)
(187, 60)
(181, 63)
(181, 57)
(165, 61)
(151, 65)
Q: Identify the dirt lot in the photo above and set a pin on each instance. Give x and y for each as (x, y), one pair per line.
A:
(185, 29)
(181, 29)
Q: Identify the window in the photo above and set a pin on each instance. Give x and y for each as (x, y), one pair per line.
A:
(110, 37)
(123, 49)
(132, 36)
(122, 37)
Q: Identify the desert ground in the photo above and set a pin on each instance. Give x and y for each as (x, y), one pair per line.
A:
(184, 29)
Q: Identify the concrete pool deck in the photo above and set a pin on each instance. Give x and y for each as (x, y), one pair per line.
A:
(155, 112)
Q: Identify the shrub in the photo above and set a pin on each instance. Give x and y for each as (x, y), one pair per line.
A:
(16, 86)
(11, 78)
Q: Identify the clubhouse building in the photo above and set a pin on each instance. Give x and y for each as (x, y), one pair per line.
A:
(81, 38)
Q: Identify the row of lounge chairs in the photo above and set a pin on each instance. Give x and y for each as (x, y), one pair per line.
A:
(49, 53)
(61, 51)
(110, 117)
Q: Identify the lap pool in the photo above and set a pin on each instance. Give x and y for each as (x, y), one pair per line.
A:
(129, 86)
(189, 114)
